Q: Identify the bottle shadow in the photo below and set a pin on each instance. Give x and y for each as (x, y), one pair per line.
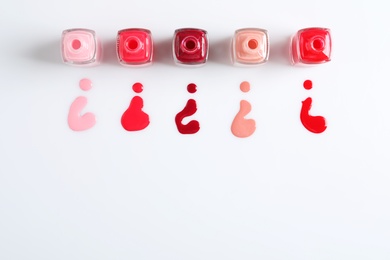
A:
(220, 52)
(49, 52)
(163, 52)
(280, 52)
(109, 52)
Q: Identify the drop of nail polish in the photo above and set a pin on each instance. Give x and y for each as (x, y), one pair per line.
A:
(307, 84)
(315, 124)
(245, 86)
(138, 87)
(134, 119)
(85, 84)
(191, 88)
(193, 126)
(76, 121)
(242, 127)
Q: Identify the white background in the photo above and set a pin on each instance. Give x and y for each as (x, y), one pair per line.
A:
(283, 193)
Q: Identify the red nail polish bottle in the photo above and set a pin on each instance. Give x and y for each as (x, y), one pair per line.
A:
(190, 46)
(311, 46)
(134, 47)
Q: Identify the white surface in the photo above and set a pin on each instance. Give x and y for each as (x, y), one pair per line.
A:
(283, 193)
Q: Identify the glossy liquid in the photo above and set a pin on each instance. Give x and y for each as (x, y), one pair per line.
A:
(242, 127)
(315, 124)
(190, 109)
(134, 118)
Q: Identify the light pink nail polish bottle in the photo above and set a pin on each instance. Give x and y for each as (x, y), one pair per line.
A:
(80, 47)
(250, 46)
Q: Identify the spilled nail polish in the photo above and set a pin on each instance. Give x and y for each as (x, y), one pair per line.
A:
(245, 86)
(315, 124)
(308, 84)
(76, 121)
(242, 127)
(134, 118)
(190, 109)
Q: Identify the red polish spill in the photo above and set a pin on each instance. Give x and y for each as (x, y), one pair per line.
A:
(134, 119)
(193, 126)
(138, 87)
(307, 84)
(315, 124)
(191, 88)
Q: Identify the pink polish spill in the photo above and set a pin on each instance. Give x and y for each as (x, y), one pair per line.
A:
(242, 127)
(190, 109)
(85, 84)
(134, 119)
(76, 121)
(315, 124)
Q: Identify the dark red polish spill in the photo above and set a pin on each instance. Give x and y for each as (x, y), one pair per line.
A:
(193, 126)
(308, 84)
(134, 119)
(315, 124)
(191, 88)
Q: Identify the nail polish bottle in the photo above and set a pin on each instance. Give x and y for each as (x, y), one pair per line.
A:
(250, 46)
(311, 46)
(190, 46)
(134, 47)
(80, 47)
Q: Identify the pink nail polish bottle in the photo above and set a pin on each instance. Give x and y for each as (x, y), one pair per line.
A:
(250, 46)
(134, 47)
(80, 47)
(311, 46)
(190, 46)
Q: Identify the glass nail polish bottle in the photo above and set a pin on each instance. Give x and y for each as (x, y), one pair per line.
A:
(190, 46)
(134, 47)
(80, 47)
(311, 46)
(250, 46)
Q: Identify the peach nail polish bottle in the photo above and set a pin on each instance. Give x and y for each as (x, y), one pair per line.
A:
(80, 47)
(250, 46)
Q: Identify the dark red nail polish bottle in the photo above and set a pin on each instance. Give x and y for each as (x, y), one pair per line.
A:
(190, 46)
